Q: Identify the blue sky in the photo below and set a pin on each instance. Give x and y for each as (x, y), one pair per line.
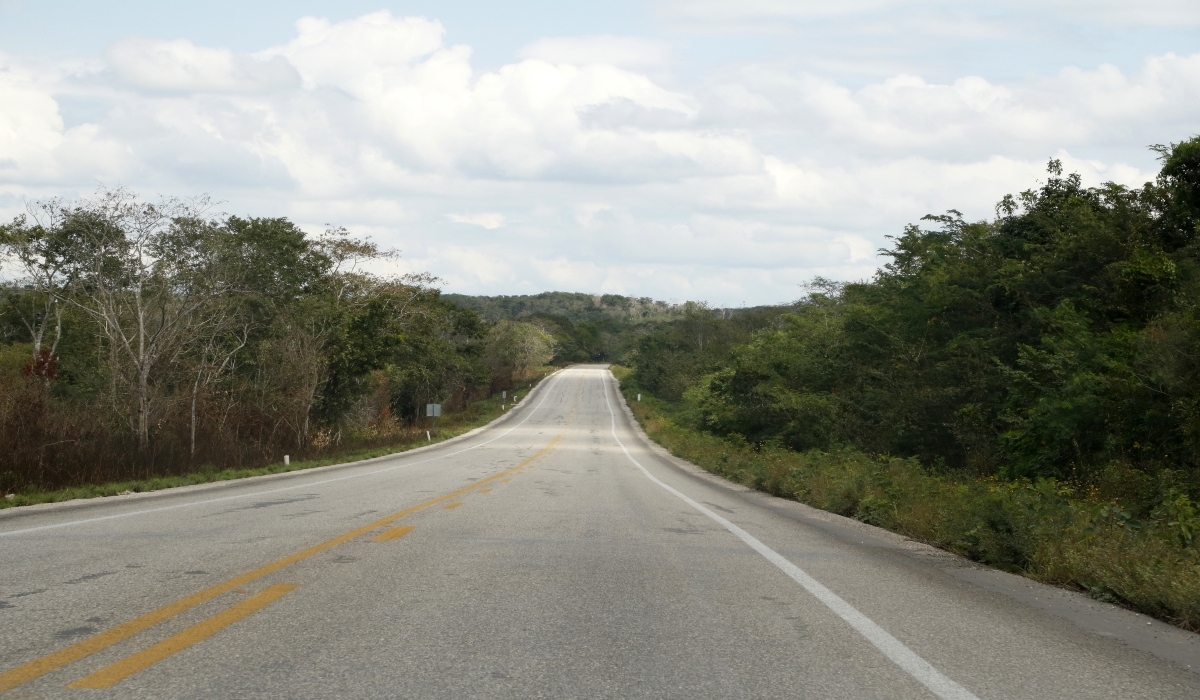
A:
(724, 151)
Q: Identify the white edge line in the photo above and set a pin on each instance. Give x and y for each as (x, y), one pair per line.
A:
(305, 485)
(893, 648)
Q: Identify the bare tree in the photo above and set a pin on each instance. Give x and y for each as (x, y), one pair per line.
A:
(224, 344)
(145, 277)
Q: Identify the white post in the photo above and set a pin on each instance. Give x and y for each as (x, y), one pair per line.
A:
(427, 438)
(287, 459)
(639, 398)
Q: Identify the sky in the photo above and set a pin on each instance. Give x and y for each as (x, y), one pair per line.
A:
(706, 150)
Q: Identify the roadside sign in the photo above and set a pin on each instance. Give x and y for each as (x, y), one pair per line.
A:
(433, 410)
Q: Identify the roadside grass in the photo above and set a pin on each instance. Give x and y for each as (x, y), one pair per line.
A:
(1044, 530)
(451, 425)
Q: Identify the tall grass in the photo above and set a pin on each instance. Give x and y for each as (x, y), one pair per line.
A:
(1043, 529)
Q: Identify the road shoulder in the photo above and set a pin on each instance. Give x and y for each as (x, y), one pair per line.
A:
(1138, 631)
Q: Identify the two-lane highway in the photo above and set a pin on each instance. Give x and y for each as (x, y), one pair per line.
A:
(555, 554)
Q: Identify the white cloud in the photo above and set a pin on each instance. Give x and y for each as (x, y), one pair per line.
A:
(181, 66)
(860, 249)
(488, 220)
(967, 119)
(36, 147)
(30, 125)
(595, 175)
(623, 52)
(355, 54)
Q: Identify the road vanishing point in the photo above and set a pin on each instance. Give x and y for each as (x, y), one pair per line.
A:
(555, 553)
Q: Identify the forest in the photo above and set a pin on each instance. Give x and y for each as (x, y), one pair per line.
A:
(140, 338)
(1061, 339)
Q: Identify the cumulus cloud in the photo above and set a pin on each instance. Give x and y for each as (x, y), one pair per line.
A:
(30, 125)
(595, 175)
(968, 118)
(36, 147)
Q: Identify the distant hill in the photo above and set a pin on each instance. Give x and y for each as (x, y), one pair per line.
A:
(573, 306)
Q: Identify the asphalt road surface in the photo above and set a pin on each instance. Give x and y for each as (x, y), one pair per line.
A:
(554, 554)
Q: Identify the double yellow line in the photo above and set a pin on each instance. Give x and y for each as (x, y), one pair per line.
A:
(115, 673)
(122, 669)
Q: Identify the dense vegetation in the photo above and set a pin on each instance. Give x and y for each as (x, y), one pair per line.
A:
(585, 327)
(596, 328)
(1059, 340)
(145, 339)
(1040, 371)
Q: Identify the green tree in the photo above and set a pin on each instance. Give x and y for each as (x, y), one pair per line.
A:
(515, 347)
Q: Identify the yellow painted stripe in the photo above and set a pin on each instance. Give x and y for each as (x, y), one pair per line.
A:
(485, 490)
(452, 506)
(393, 534)
(111, 675)
(38, 667)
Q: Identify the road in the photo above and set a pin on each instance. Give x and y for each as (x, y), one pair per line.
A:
(554, 554)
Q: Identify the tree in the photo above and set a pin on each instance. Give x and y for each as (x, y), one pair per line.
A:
(146, 273)
(42, 248)
(516, 347)
(1057, 340)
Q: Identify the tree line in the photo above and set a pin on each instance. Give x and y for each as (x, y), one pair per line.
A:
(140, 338)
(595, 327)
(1060, 339)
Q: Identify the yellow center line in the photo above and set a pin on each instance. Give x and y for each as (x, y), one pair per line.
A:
(393, 534)
(38, 667)
(452, 506)
(485, 490)
(115, 673)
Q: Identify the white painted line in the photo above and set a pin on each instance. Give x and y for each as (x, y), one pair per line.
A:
(893, 648)
(307, 484)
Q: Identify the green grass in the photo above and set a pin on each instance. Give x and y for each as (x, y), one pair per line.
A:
(1043, 530)
(451, 425)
